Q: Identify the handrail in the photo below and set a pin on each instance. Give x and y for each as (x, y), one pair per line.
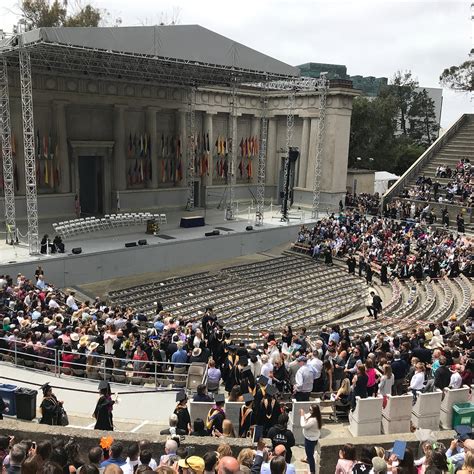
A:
(422, 160)
(97, 365)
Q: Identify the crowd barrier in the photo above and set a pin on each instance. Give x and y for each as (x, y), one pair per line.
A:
(61, 363)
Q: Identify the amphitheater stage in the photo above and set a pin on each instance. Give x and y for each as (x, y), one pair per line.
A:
(104, 255)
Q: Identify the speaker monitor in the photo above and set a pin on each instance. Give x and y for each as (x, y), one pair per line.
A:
(214, 232)
(130, 244)
(76, 250)
(249, 227)
(142, 242)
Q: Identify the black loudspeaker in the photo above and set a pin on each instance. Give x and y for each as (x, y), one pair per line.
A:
(77, 250)
(293, 154)
(142, 242)
(249, 227)
(130, 244)
(214, 232)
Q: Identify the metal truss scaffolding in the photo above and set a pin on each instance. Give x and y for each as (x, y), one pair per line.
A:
(191, 147)
(262, 154)
(290, 125)
(323, 90)
(232, 151)
(8, 174)
(29, 150)
(307, 84)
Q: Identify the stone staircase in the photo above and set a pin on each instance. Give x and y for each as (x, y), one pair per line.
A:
(456, 143)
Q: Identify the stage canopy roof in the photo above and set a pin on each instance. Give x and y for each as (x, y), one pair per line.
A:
(168, 54)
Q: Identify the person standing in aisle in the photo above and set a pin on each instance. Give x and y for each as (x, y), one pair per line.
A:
(311, 424)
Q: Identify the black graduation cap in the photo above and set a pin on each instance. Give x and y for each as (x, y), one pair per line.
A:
(231, 347)
(180, 396)
(243, 361)
(271, 390)
(103, 385)
(246, 370)
(263, 380)
(463, 432)
(219, 398)
(248, 397)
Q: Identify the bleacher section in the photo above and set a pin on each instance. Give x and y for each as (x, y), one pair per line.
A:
(456, 143)
(255, 297)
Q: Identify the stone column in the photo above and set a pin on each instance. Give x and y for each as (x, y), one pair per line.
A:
(207, 130)
(59, 113)
(303, 165)
(151, 128)
(313, 141)
(255, 132)
(120, 156)
(271, 168)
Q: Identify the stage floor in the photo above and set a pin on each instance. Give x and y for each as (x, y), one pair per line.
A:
(114, 239)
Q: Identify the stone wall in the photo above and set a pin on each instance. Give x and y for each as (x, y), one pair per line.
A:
(90, 438)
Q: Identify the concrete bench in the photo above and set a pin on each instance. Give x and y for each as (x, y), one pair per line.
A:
(232, 413)
(295, 418)
(396, 415)
(366, 419)
(199, 410)
(426, 410)
(451, 397)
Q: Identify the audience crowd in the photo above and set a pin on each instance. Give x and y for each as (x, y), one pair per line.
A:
(401, 249)
(365, 203)
(459, 188)
(265, 375)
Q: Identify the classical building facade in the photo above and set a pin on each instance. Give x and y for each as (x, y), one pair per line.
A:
(121, 145)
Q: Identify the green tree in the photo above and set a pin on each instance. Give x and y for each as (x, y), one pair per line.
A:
(47, 13)
(373, 126)
(401, 88)
(459, 78)
(422, 118)
(406, 153)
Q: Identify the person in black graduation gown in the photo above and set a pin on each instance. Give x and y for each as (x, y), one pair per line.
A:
(230, 368)
(351, 264)
(246, 416)
(269, 409)
(103, 409)
(51, 407)
(216, 416)
(182, 412)
(384, 273)
(3, 407)
(247, 381)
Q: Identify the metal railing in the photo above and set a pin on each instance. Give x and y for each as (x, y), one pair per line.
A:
(58, 362)
(415, 168)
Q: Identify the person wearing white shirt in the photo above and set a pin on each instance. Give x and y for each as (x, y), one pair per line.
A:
(303, 380)
(133, 452)
(456, 379)
(267, 368)
(53, 304)
(311, 424)
(71, 302)
(417, 382)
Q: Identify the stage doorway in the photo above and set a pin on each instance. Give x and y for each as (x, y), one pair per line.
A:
(92, 176)
(91, 192)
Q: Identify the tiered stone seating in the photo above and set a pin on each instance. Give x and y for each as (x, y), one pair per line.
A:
(254, 297)
(366, 419)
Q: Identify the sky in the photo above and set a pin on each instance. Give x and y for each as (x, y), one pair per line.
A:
(371, 37)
